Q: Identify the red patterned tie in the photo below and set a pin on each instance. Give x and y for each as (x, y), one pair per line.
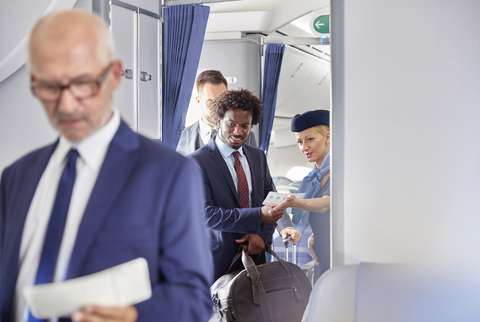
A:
(242, 182)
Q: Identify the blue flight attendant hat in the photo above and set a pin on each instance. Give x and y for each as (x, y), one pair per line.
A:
(301, 122)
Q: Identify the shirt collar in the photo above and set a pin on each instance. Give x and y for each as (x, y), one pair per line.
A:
(225, 150)
(204, 127)
(92, 149)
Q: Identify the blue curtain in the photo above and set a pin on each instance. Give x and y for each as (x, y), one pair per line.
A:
(184, 32)
(271, 75)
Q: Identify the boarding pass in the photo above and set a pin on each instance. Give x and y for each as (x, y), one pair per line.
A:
(122, 285)
(275, 198)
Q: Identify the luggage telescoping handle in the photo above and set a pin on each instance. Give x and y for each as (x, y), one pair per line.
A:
(286, 241)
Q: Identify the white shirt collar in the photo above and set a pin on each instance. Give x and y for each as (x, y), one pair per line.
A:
(225, 150)
(204, 127)
(92, 149)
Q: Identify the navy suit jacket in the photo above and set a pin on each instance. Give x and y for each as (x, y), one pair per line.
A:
(226, 220)
(137, 209)
(190, 139)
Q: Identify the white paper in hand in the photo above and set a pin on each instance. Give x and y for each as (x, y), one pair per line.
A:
(276, 198)
(122, 285)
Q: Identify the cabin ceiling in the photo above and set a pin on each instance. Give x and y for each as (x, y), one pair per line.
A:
(283, 11)
(261, 16)
(305, 84)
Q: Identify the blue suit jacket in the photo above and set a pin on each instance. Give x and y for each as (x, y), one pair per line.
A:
(226, 220)
(136, 209)
(190, 139)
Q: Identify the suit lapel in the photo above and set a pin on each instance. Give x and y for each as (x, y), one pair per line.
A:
(119, 162)
(23, 193)
(218, 158)
(196, 141)
(255, 172)
(31, 178)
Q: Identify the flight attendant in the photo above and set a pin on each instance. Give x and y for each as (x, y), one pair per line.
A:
(312, 130)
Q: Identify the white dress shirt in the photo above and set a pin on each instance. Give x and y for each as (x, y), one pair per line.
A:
(205, 131)
(226, 153)
(92, 151)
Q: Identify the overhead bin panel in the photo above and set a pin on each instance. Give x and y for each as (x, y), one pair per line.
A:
(304, 83)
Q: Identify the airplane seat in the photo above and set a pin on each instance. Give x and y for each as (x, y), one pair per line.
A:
(374, 292)
(333, 296)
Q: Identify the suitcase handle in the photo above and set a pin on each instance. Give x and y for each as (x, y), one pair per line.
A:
(286, 241)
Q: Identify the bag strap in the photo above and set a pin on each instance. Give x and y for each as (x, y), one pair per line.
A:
(254, 275)
(236, 258)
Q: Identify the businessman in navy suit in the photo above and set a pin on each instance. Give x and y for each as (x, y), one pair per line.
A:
(234, 208)
(127, 195)
(209, 84)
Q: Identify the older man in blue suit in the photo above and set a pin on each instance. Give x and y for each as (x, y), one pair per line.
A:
(237, 180)
(101, 195)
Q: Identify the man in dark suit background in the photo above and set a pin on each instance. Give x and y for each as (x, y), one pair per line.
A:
(101, 195)
(209, 84)
(237, 180)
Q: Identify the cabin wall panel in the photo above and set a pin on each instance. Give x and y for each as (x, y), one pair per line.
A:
(405, 127)
(149, 88)
(17, 18)
(124, 32)
(137, 38)
(24, 123)
(233, 58)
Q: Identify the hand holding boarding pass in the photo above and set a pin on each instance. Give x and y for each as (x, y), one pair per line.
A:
(281, 200)
(122, 285)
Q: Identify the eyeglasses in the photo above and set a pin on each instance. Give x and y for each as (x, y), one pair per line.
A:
(80, 87)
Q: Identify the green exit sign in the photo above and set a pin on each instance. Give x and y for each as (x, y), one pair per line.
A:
(321, 24)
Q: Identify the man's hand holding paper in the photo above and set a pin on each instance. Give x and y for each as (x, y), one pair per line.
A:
(113, 291)
(281, 201)
(268, 215)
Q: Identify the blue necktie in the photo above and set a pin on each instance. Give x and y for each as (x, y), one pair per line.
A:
(56, 224)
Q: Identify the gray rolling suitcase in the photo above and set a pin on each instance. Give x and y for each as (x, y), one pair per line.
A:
(308, 268)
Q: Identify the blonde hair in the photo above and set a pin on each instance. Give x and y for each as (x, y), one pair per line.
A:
(322, 129)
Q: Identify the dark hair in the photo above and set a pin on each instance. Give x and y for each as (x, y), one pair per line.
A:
(242, 99)
(210, 76)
